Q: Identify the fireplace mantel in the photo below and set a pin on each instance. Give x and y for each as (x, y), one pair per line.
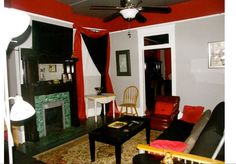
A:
(32, 85)
(45, 89)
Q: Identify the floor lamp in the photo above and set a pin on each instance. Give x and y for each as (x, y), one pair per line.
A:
(13, 23)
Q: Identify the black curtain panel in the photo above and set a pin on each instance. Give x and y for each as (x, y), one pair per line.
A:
(97, 48)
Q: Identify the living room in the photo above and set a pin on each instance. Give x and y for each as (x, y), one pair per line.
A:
(203, 84)
(189, 40)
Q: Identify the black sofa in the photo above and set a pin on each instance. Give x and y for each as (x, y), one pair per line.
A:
(206, 142)
(211, 135)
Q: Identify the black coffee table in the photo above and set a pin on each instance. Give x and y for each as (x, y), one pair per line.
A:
(117, 137)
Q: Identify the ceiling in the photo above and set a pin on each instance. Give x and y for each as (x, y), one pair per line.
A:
(82, 7)
(78, 12)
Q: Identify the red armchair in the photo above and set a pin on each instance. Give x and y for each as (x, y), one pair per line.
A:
(165, 111)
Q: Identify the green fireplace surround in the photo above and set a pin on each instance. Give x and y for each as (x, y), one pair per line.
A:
(50, 98)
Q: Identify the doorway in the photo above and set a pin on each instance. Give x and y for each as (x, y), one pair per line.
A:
(156, 38)
(157, 74)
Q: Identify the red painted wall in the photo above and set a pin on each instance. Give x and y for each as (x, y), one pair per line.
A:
(55, 9)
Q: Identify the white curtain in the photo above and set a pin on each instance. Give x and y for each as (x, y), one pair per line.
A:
(92, 77)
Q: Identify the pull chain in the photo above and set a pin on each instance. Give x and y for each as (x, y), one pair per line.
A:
(129, 33)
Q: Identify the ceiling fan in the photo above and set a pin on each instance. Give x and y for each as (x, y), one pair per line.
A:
(130, 11)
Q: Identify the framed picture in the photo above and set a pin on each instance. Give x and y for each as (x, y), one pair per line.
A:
(123, 63)
(216, 54)
(52, 68)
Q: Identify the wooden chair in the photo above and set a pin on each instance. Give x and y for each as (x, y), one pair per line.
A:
(130, 98)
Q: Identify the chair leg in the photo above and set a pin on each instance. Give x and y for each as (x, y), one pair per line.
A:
(132, 111)
(121, 109)
(135, 111)
(126, 112)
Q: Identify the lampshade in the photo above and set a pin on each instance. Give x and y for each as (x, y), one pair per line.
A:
(21, 110)
(15, 22)
(129, 13)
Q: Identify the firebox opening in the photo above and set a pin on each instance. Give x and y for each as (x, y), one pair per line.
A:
(54, 122)
(54, 118)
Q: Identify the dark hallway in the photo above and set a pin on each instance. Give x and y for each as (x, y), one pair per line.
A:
(157, 74)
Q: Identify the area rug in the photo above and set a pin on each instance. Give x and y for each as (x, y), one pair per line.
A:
(77, 151)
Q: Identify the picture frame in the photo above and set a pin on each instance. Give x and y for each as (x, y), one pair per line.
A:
(52, 68)
(216, 52)
(123, 63)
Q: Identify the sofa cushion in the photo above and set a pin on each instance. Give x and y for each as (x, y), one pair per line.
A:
(164, 108)
(192, 114)
(177, 131)
(169, 145)
(217, 119)
(206, 144)
(196, 131)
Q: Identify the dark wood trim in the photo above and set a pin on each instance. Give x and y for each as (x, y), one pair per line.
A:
(33, 87)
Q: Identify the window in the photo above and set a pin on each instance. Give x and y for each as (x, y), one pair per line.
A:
(156, 39)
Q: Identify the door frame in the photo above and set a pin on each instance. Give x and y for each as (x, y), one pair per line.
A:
(150, 31)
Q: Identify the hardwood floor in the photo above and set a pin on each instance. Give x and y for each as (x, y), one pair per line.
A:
(56, 139)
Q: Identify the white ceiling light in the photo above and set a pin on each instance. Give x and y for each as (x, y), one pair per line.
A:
(129, 13)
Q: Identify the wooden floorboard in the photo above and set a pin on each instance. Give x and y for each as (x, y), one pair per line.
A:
(66, 135)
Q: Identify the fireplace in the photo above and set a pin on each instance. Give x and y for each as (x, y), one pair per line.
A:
(38, 90)
(52, 112)
(53, 117)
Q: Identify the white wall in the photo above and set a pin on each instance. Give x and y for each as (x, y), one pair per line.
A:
(191, 78)
(121, 41)
(196, 84)
(45, 74)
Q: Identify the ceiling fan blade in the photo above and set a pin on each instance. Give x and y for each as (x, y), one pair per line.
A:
(139, 2)
(113, 16)
(157, 9)
(140, 18)
(105, 8)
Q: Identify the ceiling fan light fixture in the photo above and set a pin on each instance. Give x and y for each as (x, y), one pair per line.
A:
(129, 13)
